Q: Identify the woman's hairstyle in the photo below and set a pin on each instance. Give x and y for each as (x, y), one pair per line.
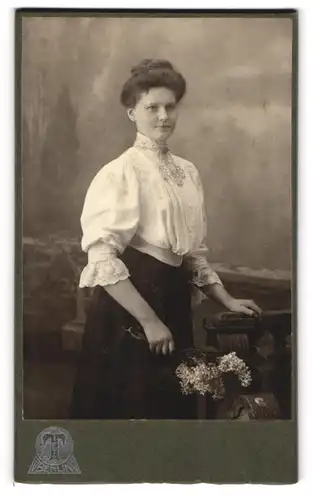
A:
(151, 73)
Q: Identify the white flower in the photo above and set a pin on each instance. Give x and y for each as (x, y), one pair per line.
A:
(201, 378)
(205, 378)
(231, 363)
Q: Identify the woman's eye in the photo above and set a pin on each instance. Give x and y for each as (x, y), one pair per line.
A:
(170, 107)
(152, 108)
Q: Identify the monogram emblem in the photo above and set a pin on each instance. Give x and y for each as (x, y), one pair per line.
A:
(54, 447)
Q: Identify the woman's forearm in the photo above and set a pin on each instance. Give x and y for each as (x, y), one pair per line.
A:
(159, 337)
(218, 293)
(125, 293)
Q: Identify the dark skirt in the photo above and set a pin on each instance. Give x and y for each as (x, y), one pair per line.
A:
(118, 377)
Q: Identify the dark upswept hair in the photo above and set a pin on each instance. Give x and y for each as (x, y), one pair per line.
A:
(151, 73)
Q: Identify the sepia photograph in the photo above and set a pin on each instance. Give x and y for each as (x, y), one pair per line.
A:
(157, 196)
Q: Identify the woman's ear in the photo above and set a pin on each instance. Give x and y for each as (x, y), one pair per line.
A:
(131, 114)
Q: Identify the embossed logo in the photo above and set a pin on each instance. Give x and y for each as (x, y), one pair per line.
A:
(54, 447)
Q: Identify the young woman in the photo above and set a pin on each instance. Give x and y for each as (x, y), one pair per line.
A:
(144, 230)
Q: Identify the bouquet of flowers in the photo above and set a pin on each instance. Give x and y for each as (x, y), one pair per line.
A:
(198, 375)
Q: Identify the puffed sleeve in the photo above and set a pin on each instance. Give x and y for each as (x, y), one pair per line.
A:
(197, 261)
(109, 220)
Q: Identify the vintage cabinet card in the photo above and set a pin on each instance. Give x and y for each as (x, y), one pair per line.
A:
(156, 264)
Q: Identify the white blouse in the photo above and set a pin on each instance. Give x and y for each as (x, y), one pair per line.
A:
(151, 200)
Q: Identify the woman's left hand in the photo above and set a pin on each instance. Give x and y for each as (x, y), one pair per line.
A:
(244, 306)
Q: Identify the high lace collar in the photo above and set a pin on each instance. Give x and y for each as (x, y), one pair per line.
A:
(170, 170)
(147, 144)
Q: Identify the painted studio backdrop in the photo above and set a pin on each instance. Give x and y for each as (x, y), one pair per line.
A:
(234, 125)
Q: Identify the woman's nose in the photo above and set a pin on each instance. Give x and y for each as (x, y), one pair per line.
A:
(162, 115)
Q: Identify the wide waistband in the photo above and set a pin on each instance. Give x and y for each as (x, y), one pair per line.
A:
(163, 254)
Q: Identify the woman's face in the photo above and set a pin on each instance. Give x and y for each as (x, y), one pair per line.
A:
(155, 114)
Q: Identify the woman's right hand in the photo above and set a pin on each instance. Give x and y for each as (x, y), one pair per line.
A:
(159, 336)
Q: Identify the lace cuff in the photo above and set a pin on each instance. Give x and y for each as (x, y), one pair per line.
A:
(207, 276)
(108, 271)
(202, 272)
